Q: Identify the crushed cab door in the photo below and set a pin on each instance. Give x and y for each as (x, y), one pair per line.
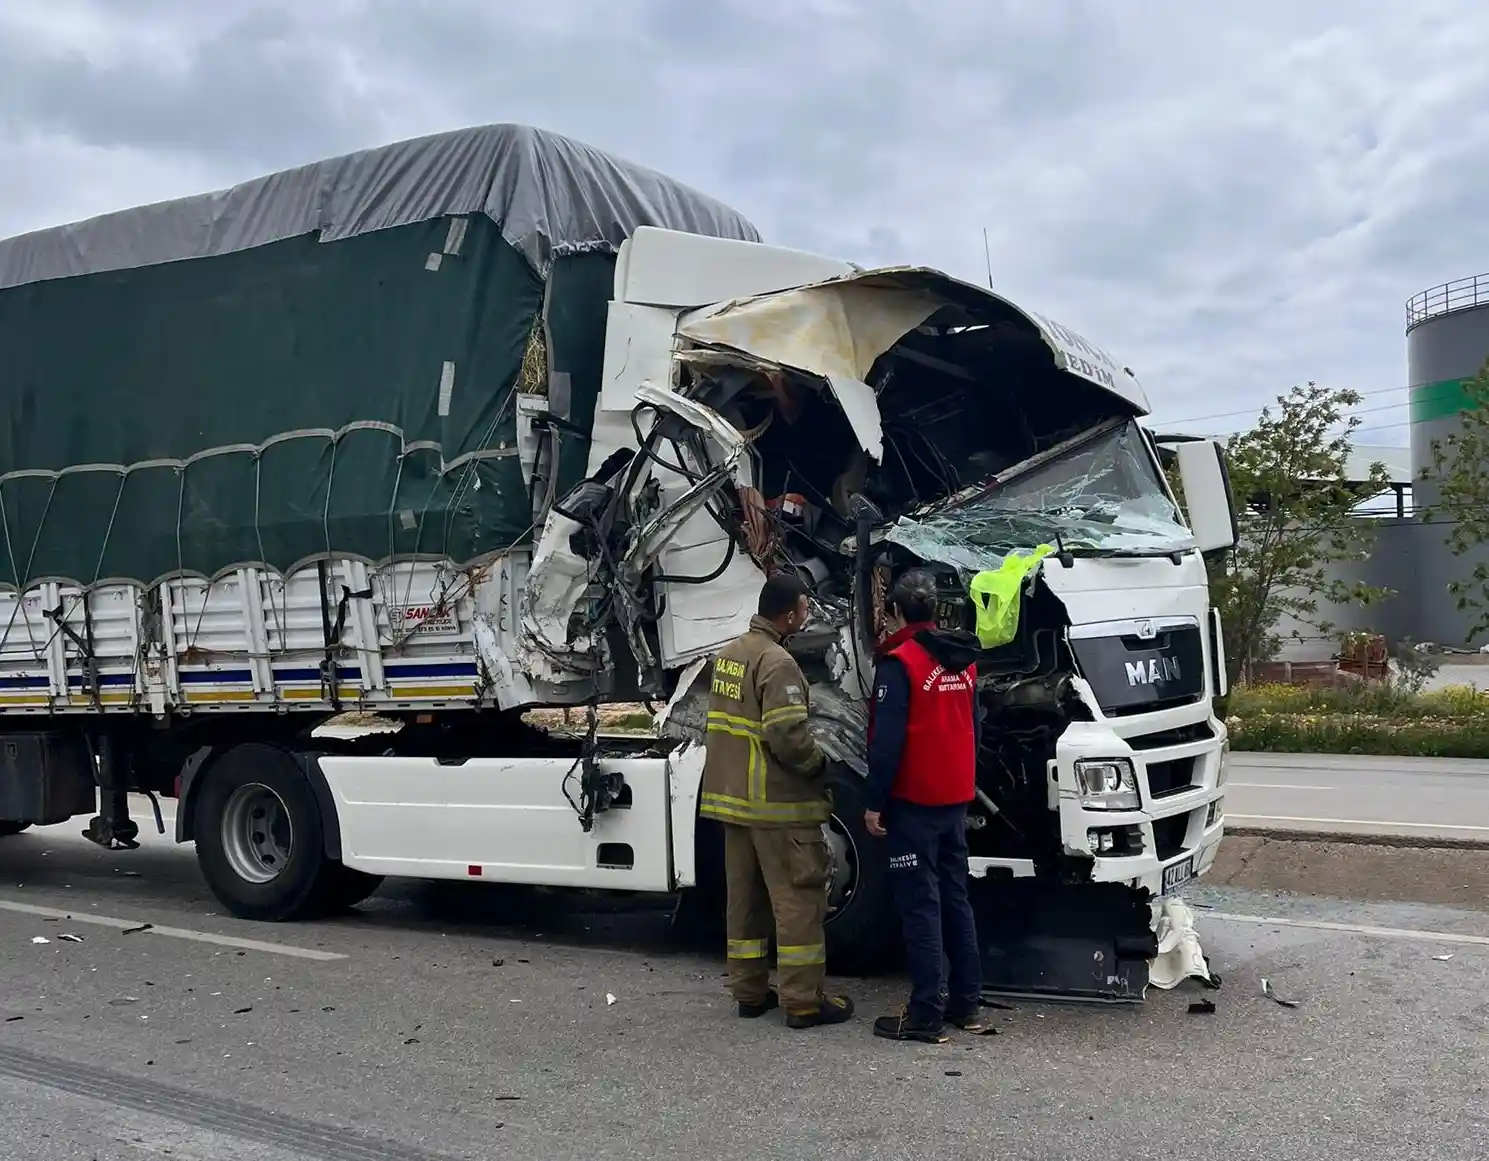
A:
(693, 538)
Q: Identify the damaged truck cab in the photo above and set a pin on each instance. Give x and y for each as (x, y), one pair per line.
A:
(764, 409)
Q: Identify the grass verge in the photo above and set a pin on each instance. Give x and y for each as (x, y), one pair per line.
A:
(1376, 719)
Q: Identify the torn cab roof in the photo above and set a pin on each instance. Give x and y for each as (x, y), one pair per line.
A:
(837, 328)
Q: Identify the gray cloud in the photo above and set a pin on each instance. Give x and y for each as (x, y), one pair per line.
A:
(1231, 204)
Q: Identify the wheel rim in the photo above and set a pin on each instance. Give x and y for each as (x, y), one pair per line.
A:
(844, 882)
(257, 834)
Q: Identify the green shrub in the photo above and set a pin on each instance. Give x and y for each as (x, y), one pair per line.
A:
(1340, 733)
(1378, 699)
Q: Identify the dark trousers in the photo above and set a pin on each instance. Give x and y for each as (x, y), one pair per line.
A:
(928, 872)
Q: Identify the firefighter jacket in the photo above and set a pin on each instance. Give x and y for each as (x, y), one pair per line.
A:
(763, 768)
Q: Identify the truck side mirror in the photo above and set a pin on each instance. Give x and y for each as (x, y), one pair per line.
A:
(1207, 495)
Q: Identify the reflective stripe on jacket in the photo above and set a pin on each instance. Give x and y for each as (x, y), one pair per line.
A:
(762, 768)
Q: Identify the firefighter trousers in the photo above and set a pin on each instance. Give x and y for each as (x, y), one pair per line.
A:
(777, 877)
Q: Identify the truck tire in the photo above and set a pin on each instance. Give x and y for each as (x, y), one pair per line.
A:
(700, 911)
(259, 837)
(863, 927)
(344, 888)
(10, 828)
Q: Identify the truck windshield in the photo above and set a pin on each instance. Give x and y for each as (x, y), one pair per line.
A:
(1104, 496)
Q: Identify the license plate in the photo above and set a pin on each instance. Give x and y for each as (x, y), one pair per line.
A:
(1177, 875)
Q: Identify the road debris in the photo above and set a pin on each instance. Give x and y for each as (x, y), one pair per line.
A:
(137, 930)
(242, 1011)
(40, 939)
(1180, 956)
(1443, 958)
(68, 937)
(1271, 994)
(13, 1019)
(1202, 1008)
(609, 999)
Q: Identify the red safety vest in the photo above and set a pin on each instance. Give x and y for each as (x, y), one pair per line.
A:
(938, 766)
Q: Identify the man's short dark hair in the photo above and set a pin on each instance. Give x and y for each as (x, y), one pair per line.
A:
(914, 595)
(779, 595)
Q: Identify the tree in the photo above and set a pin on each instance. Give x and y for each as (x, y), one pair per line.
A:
(1294, 497)
(1458, 470)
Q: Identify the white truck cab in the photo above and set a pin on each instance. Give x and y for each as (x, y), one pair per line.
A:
(762, 401)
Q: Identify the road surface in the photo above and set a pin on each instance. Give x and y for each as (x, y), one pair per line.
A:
(426, 1029)
(1418, 798)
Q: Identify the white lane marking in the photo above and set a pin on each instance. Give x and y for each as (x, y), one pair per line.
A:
(1275, 786)
(1353, 929)
(1357, 822)
(170, 932)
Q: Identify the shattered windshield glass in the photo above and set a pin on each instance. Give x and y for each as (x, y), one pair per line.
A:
(1103, 496)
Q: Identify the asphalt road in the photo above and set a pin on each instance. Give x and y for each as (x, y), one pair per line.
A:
(458, 1024)
(1421, 798)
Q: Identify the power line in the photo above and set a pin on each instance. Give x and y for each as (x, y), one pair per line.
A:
(1343, 415)
(1260, 407)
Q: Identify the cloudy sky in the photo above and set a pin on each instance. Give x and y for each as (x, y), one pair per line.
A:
(1230, 204)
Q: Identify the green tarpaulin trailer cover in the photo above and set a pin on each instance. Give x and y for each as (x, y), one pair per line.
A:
(320, 363)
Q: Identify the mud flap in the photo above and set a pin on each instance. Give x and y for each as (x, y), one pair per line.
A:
(1086, 943)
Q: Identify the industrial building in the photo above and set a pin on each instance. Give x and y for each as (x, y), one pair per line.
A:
(1447, 343)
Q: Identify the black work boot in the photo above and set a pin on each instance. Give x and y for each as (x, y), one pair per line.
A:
(830, 1010)
(904, 1027)
(755, 1011)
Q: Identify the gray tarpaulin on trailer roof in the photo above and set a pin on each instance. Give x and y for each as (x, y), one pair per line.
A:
(550, 195)
(323, 362)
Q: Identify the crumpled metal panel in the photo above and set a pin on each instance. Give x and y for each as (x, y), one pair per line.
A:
(838, 327)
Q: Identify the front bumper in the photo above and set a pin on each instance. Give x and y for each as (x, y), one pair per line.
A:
(1174, 834)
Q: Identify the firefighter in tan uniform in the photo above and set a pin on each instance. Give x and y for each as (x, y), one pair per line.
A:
(764, 779)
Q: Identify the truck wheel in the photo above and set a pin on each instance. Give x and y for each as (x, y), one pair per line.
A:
(700, 911)
(344, 888)
(10, 828)
(863, 929)
(259, 839)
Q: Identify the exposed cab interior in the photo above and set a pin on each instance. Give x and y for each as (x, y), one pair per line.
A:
(854, 429)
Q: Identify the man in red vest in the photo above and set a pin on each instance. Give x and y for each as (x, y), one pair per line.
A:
(924, 723)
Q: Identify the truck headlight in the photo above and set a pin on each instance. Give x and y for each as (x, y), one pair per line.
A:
(1224, 772)
(1107, 783)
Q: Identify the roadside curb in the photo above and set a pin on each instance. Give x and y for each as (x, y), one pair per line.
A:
(1335, 838)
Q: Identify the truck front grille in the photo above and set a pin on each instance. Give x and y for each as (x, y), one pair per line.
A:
(1171, 777)
(1169, 833)
(1131, 675)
